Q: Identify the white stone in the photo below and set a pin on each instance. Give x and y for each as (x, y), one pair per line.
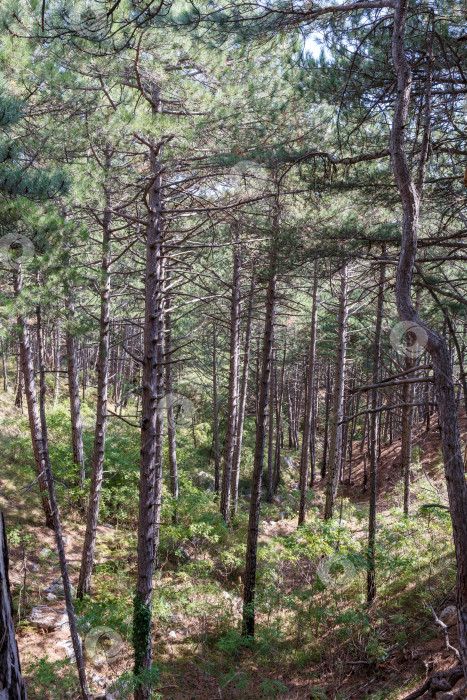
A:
(56, 588)
(47, 618)
(447, 612)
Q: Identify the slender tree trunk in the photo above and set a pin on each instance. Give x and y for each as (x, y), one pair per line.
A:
(279, 410)
(290, 415)
(269, 484)
(314, 421)
(257, 379)
(447, 410)
(172, 442)
(160, 419)
(374, 433)
(462, 374)
(326, 421)
(57, 363)
(248, 627)
(406, 436)
(97, 464)
(336, 430)
(5, 373)
(232, 405)
(11, 682)
(73, 389)
(45, 460)
(242, 401)
(215, 402)
(19, 380)
(33, 409)
(303, 485)
(151, 424)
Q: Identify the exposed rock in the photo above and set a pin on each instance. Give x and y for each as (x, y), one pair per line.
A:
(50, 597)
(100, 681)
(67, 646)
(449, 615)
(112, 694)
(56, 588)
(47, 618)
(288, 462)
(172, 634)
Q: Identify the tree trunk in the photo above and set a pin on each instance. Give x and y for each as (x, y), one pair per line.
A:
(73, 389)
(269, 484)
(151, 437)
(314, 421)
(19, 380)
(303, 485)
(406, 436)
(97, 464)
(279, 410)
(462, 374)
(171, 435)
(57, 363)
(5, 373)
(242, 401)
(435, 344)
(248, 627)
(215, 401)
(45, 460)
(327, 410)
(374, 434)
(11, 682)
(33, 410)
(337, 406)
(232, 404)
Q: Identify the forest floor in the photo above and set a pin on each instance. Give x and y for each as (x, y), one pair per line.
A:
(342, 650)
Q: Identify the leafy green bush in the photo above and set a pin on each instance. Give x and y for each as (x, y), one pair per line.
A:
(49, 680)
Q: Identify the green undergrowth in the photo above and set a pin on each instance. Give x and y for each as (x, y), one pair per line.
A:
(309, 618)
